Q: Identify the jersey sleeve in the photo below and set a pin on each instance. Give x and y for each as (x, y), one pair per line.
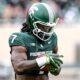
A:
(16, 40)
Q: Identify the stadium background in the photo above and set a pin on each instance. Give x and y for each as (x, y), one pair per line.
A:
(13, 14)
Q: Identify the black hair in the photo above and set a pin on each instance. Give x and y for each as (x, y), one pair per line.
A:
(25, 28)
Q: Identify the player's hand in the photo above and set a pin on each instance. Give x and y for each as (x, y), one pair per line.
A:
(55, 71)
(58, 62)
(51, 61)
(46, 61)
(46, 68)
(55, 61)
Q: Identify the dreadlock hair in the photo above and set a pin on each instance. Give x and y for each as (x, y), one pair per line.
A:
(25, 28)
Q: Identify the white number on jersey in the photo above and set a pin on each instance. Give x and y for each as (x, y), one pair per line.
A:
(13, 38)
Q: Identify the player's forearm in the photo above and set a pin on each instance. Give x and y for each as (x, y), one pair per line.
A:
(25, 66)
(22, 66)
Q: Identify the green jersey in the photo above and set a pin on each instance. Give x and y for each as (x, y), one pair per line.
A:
(32, 43)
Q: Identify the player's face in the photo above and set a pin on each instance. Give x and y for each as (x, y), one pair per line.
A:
(43, 27)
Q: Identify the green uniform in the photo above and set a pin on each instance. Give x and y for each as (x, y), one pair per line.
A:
(32, 43)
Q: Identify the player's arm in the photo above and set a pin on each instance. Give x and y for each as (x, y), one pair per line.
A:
(20, 62)
(19, 59)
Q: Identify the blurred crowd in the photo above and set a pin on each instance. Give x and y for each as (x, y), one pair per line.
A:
(68, 10)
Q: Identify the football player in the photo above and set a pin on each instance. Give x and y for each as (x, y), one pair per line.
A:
(32, 49)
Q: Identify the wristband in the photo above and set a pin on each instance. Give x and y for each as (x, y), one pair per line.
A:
(42, 61)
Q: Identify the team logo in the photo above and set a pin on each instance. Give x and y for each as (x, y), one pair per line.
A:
(32, 10)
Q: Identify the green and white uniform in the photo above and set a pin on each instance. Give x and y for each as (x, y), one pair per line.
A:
(33, 44)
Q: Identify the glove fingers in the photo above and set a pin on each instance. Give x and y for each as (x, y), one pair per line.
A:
(59, 60)
(53, 63)
(53, 70)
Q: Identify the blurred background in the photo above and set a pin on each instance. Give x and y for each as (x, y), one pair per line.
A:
(13, 14)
